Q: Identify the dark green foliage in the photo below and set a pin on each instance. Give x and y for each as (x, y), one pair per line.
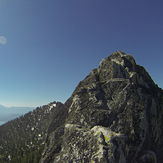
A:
(114, 115)
(28, 157)
(22, 140)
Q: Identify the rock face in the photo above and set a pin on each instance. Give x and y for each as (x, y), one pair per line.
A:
(113, 116)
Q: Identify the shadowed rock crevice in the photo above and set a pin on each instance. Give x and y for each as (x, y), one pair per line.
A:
(114, 116)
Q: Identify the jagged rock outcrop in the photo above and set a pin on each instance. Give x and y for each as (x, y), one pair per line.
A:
(113, 116)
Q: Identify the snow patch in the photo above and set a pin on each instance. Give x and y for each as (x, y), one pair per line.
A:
(52, 106)
(9, 157)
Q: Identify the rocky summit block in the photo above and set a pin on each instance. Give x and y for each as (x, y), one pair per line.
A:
(113, 116)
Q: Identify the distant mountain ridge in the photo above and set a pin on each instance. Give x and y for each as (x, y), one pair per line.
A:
(10, 113)
(115, 115)
(22, 139)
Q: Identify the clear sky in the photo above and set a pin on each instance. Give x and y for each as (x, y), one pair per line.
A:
(48, 46)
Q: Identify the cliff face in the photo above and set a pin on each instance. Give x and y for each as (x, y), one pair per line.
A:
(113, 116)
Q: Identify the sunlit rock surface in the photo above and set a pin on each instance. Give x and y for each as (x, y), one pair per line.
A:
(113, 116)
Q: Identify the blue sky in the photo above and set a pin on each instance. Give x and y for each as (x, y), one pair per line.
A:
(48, 46)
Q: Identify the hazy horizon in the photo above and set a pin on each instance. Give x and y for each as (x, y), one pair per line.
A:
(10, 113)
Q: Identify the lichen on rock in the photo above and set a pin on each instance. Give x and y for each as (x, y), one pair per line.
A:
(114, 116)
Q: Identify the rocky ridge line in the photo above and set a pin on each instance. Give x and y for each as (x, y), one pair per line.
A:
(113, 116)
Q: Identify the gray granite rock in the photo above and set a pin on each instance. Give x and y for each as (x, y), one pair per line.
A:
(113, 116)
